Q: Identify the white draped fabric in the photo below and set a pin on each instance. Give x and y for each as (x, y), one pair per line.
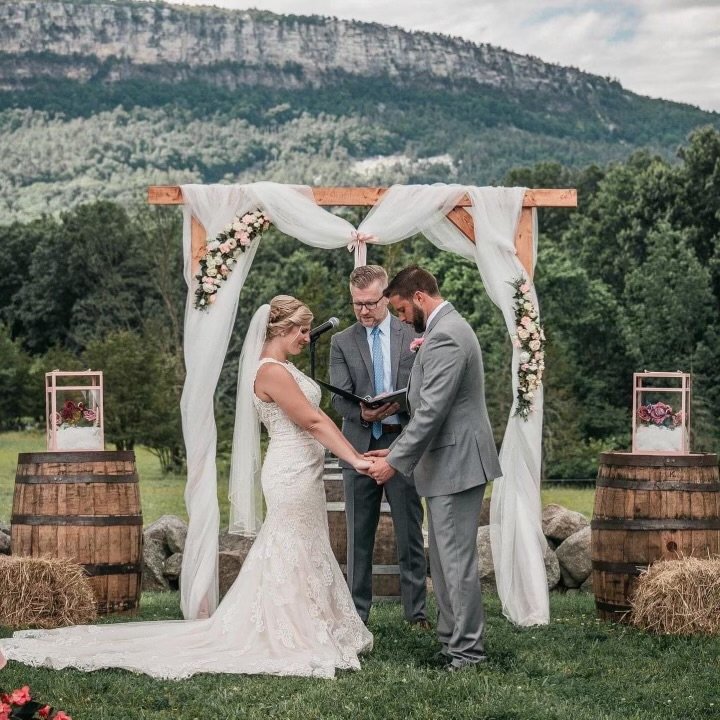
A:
(518, 543)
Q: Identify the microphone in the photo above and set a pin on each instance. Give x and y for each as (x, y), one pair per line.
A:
(316, 332)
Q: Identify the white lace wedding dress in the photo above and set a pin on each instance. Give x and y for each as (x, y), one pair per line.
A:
(288, 613)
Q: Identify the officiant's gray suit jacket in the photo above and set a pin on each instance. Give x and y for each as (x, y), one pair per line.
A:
(351, 369)
(448, 444)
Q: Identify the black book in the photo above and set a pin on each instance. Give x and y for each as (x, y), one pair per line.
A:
(398, 396)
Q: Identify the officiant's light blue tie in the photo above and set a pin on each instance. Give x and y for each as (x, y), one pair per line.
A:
(378, 372)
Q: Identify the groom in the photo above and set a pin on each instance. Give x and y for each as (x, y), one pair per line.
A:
(448, 445)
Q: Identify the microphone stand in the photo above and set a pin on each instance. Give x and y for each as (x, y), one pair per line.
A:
(313, 343)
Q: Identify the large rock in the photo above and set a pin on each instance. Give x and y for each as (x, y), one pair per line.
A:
(4, 544)
(233, 551)
(552, 568)
(559, 523)
(486, 569)
(170, 530)
(574, 556)
(172, 567)
(4, 528)
(485, 512)
(154, 556)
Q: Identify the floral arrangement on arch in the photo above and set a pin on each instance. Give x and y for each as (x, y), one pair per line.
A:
(221, 254)
(19, 705)
(74, 414)
(529, 339)
(659, 414)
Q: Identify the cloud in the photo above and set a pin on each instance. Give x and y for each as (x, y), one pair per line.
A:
(660, 48)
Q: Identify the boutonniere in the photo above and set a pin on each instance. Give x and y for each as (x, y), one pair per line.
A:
(416, 344)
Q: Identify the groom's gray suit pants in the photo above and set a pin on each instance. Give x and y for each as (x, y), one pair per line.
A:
(362, 507)
(453, 525)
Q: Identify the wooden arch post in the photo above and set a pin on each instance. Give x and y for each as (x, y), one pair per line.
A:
(369, 196)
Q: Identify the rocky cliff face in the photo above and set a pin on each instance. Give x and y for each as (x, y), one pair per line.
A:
(123, 37)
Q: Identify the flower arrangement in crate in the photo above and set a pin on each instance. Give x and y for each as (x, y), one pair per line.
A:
(19, 705)
(659, 426)
(74, 410)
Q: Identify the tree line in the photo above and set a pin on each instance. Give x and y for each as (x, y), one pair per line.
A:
(628, 281)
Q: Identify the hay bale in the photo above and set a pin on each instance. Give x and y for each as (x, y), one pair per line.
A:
(44, 593)
(679, 597)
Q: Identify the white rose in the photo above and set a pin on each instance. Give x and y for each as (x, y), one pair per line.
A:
(523, 334)
(212, 271)
(524, 356)
(534, 344)
(527, 305)
(529, 396)
(208, 288)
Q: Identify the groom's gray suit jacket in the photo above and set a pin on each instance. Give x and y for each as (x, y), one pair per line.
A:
(448, 443)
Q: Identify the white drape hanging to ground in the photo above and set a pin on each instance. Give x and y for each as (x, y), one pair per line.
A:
(403, 211)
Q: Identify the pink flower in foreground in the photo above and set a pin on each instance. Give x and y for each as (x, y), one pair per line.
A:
(60, 715)
(43, 712)
(416, 344)
(524, 288)
(20, 696)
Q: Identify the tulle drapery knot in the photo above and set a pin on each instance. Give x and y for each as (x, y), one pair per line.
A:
(358, 245)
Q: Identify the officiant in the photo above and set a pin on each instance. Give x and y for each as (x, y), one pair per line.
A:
(371, 357)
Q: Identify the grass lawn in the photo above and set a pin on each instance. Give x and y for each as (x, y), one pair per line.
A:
(577, 667)
(163, 494)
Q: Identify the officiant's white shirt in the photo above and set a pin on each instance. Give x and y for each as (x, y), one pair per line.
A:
(387, 365)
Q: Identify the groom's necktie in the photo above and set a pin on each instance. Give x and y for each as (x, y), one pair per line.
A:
(378, 371)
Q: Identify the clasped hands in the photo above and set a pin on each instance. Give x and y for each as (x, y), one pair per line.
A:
(374, 463)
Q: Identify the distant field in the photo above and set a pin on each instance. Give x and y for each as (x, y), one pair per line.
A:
(163, 494)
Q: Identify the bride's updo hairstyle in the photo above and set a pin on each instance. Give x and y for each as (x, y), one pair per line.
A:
(286, 313)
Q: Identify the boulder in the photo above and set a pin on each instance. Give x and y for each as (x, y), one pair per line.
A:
(172, 567)
(587, 586)
(568, 581)
(170, 530)
(552, 568)
(4, 544)
(485, 512)
(574, 556)
(486, 570)
(4, 528)
(233, 551)
(154, 556)
(559, 523)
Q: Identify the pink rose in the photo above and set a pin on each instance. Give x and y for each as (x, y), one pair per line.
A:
(525, 321)
(524, 288)
(416, 344)
(4, 711)
(644, 414)
(43, 712)
(224, 248)
(244, 239)
(212, 299)
(658, 412)
(20, 696)
(89, 415)
(60, 715)
(248, 218)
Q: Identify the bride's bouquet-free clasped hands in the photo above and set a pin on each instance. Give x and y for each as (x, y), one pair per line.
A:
(221, 255)
(19, 705)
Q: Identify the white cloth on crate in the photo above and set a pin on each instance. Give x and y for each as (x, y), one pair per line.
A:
(516, 532)
(289, 612)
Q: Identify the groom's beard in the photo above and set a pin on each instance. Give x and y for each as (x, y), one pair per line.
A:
(419, 319)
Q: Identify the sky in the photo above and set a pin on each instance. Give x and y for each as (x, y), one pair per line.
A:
(660, 48)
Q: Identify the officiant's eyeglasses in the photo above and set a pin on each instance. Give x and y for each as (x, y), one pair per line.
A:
(369, 305)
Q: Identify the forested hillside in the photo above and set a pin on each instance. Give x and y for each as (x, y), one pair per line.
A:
(630, 280)
(99, 100)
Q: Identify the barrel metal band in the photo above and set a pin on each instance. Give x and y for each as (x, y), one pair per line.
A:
(612, 607)
(619, 567)
(118, 569)
(75, 456)
(71, 520)
(77, 479)
(654, 524)
(659, 485)
(636, 459)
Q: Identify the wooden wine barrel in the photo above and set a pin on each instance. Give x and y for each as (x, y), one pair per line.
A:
(648, 508)
(386, 571)
(84, 506)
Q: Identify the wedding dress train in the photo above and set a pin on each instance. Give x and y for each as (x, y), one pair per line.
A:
(289, 611)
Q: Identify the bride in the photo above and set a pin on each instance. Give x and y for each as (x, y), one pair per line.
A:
(289, 612)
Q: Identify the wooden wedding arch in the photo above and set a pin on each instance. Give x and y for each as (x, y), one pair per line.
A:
(369, 196)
